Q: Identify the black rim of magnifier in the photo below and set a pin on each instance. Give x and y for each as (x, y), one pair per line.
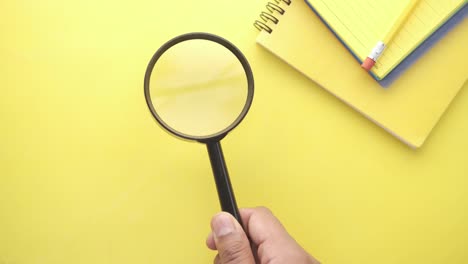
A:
(226, 44)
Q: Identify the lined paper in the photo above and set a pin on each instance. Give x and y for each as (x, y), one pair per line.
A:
(361, 23)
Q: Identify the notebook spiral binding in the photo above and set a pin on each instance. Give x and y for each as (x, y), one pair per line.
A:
(266, 17)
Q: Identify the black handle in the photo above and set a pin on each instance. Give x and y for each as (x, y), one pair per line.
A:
(223, 183)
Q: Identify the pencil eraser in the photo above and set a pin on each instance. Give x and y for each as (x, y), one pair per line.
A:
(367, 64)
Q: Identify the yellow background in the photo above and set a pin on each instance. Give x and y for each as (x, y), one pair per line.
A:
(86, 175)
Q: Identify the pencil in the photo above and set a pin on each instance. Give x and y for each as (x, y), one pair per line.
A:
(379, 48)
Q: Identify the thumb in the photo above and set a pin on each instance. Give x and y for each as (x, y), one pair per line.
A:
(231, 241)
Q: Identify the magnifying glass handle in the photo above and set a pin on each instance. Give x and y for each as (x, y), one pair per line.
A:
(223, 183)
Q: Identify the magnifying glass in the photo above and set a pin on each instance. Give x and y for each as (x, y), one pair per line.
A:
(199, 87)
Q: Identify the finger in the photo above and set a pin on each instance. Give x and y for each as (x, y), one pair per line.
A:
(270, 237)
(231, 241)
(210, 243)
(261, 225)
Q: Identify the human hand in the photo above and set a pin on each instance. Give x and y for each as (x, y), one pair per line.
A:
(271, 243)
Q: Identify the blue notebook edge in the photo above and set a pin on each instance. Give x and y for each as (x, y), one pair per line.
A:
(425, 46)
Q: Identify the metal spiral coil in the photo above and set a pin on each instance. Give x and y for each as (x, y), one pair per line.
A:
(266, 17)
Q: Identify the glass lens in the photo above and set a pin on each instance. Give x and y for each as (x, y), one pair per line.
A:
(198, 87)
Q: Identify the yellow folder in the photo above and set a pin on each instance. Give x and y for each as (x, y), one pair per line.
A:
(409, 108)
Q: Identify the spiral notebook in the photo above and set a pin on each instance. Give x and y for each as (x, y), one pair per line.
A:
(412, 104)
(360, 24)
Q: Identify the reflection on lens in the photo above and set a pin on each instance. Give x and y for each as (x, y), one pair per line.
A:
(198, 87)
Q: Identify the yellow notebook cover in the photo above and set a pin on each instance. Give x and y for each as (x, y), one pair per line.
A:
(360, 24)
(409, 108)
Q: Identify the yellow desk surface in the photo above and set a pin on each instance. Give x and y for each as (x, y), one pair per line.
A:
(86, 175)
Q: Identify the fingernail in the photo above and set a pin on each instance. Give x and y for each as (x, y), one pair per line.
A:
(222, 225)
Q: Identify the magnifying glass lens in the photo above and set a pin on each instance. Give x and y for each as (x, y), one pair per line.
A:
(198, 88)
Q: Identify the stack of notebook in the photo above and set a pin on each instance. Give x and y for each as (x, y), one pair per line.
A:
(311, 40)
(359, 24)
